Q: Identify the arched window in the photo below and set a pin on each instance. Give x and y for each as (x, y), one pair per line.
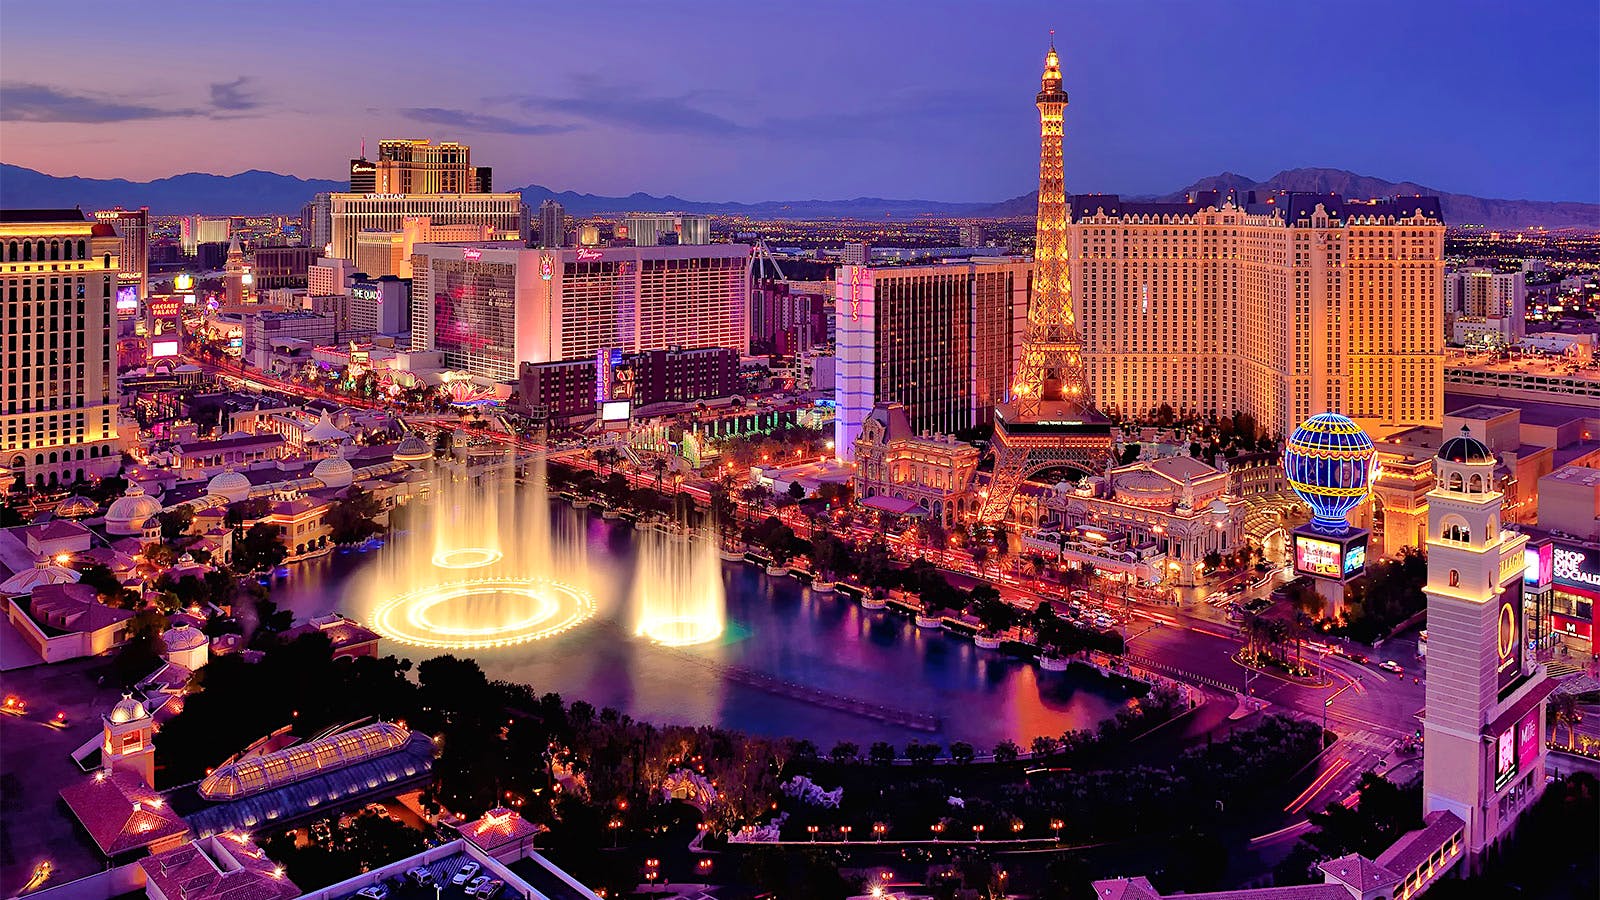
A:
(11, 252)
(1476, 484)
(1455, 578)
(105, 261)
(55, 249)
(27, 251)
(83, 250)
(1455, 481)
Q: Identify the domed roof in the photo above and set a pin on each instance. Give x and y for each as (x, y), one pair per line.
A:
(127, 710)
(230, 485)
(335, 472)
(1142, 486)
(184, 637)
(44, 571)
(413, 448)
(1464, 448)
(251, 775)
(1329, 464)
(75, 506)
(129, 512)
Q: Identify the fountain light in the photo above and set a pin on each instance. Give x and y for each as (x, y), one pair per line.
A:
(467, 557)
(543, 609)
(678, 596)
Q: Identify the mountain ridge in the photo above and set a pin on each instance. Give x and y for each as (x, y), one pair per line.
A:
(257, 191)
(1459, 209)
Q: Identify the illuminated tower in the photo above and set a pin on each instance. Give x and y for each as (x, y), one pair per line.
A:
(1484, 750)
(233, 273)
(1050, 421)
(129, 740)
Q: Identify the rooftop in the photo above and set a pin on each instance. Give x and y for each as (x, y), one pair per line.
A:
(227, 867)
(120, 812)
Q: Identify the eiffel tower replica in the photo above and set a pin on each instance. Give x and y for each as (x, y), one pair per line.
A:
(1050, 421)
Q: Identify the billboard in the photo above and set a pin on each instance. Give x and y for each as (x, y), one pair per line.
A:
(1574, 566)
(159, 349)
(1528, 740)
(127, 300)
(1538, 564)
(1505, 757)
(1508, 637)
(1317, 556)
(1355, 557)
(614, 411)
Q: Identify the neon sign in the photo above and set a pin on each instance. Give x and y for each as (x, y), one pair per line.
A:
(587, 255)
(471, 253)
(546, 266)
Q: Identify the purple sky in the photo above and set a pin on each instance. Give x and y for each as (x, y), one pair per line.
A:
(751, 101)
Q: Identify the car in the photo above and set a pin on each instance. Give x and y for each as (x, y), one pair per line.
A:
(489, 890)
(466, 873)
(476, 884)
(374, 892)
(421, 876)
(1390, 665)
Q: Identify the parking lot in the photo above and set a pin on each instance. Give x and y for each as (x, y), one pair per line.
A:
(403, 888)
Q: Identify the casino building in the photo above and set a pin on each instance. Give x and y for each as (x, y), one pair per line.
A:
(489, 309)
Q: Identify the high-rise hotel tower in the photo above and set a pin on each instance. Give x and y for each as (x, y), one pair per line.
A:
(58, 409)
(1281, 307)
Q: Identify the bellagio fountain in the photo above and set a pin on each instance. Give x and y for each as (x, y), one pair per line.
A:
(489, 562)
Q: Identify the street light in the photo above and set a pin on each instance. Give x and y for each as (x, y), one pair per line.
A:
(977, 831)
(1056, 825)
(878, 828)
(813, 831)
(937, 828)
(846, 830)
(1016, 826)
(615, 825)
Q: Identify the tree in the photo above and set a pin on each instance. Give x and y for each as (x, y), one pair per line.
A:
(796, 491)
(1564, 710)
(141, 653)
(1004, 752)
(175, 522)
(353, 519)
(1043, 745)
(261, 548)
(845, 751)
(247, 510)
(962, 752)
(1130, 453)
(922, 754)
(881, 753)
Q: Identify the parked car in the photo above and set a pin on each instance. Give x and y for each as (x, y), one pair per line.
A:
(420, 876)
(476, 884)
(488, 891)
(374, 892)
(466, 873)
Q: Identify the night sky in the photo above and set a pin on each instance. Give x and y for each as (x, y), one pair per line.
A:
(753, 100)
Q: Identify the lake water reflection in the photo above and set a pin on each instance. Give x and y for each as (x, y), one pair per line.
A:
(778, 627)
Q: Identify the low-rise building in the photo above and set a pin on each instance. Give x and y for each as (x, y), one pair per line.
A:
(899, 471)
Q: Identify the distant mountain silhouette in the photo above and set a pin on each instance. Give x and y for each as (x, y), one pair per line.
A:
(1459, 209)
(251, 192)
(268, 192)
(858, 208)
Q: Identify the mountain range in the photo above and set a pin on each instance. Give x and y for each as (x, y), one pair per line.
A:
(1459, 209)
(268, 192)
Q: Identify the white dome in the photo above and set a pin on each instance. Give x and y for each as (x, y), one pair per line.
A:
(231, 486)
(184, 637)
(77, 505)
(127, 710)
(413, 448)
(129, 512)
(44, 571)
(1142, 487)
(325, 431)
(334, 472)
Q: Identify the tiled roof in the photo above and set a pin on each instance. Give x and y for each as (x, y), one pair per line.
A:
(1414, 848)
(226, 867)
(1359, 872)
(121, 813)
(497, 828)
(73, 607)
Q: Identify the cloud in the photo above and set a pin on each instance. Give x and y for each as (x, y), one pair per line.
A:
(481, 122)
(595, 101)
(605, 104)
(232, 96)
(26, 101)
(22, 101)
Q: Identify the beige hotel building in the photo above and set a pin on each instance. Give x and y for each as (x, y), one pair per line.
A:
(1299, 304)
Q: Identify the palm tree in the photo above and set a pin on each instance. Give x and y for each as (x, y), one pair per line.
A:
(659, 466)
(1564, 710)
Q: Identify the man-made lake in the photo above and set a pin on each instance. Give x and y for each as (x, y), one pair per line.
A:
(776, 627)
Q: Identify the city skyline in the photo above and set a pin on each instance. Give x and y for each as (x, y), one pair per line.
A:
(1162, 94)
